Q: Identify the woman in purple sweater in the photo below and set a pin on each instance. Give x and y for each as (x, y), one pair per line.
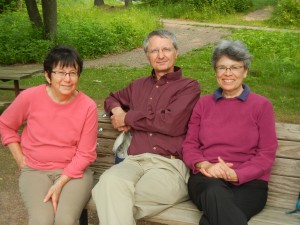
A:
(231, 143)
(57, 144)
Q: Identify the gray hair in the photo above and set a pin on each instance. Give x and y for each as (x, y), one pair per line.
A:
(162, 34)
(235, 50)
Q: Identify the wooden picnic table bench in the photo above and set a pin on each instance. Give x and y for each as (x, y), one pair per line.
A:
(16, 74)
(284, 185)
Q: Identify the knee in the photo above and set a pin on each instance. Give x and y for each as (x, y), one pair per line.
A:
(109, 183)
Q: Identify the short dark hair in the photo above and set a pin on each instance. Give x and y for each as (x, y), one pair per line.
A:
(235, 50)
(162, 34)
(65, 56)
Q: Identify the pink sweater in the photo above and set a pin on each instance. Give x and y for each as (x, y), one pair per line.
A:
(56, 136)
(240, 132)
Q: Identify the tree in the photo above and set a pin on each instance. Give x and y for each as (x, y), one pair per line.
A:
(98, 2)
(128, 3)
(50, 18)
(49, 8)
(33, 13)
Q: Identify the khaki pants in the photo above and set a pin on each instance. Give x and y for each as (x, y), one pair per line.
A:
(140, 186)
(34, 185)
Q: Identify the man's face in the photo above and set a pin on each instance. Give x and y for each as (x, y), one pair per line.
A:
(161, 55)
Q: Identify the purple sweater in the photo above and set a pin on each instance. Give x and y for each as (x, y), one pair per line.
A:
(157, 111)
(239, 130)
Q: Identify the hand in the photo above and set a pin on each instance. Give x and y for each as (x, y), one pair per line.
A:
(55, 190)
(220, 170)
(124, 128)
(118, 121)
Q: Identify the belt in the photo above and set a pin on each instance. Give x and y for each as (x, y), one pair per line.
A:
(171, 156)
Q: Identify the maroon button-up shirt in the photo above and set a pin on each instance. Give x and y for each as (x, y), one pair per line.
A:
(158, 111)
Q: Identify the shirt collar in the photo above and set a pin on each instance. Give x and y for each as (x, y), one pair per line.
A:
(177, 74)
(243, 97)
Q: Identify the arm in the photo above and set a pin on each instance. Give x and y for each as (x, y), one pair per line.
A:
(16, 150)
(261, 163)
(191, 145)
(86, 148)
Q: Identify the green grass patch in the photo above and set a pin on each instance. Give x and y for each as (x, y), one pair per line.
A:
(274, 72)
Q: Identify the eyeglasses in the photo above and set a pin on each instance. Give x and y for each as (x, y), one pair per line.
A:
(233, 69)
(62, 74)
(163, 50)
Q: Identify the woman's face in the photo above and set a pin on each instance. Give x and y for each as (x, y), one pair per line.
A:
(230, 75)
(63, 81)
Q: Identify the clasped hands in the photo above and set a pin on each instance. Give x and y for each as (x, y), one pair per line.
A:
(220, 170)
(118, 119)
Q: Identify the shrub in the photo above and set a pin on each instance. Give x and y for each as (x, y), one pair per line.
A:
(287, 12)
(93, 31)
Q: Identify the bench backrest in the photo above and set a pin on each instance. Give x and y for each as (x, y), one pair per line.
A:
(284, 185)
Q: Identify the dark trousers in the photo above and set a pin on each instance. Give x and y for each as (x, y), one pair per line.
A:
(223, 203)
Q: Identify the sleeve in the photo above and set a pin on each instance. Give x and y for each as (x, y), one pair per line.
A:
(191, 145)
(86, 150)
(170, 120)
(120, 98)
(263, 160)
(13, 117)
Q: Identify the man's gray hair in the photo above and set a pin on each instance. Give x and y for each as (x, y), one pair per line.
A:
(235, 50)
(162, 34)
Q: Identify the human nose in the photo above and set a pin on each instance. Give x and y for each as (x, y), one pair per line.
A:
(67, 76)
(228, 69)
(161, 53)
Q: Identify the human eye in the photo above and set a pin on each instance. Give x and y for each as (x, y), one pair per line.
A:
(166, 50)
(235, 68)
(154, 51)
(60, 73)
(73, 74)
(221, 68)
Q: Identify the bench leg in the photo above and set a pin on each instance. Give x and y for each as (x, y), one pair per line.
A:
(83, 220)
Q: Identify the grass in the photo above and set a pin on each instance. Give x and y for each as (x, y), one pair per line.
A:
(273, 73)
(97, 31)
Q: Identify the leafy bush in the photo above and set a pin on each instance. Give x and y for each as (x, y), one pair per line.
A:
(287, 12)
(8, 5)
(93, 31)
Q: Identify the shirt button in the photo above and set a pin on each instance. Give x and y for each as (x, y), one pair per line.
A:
(150, 98)
(156, 86)
(150, 134)
(154, 148)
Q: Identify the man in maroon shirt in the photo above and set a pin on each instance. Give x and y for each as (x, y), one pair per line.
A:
(155, 110)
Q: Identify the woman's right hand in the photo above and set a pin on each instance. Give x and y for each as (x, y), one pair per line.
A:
(17, 153)
(220, 169)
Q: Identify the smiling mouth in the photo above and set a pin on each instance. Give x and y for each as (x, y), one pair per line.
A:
(228, 81)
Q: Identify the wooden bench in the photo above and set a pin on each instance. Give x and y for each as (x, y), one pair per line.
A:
(284, 186)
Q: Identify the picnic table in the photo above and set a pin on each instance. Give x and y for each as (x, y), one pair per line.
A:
(16, 74)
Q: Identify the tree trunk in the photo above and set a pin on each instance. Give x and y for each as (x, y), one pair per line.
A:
(50, 18)
(98, 2)
(33, 13)
(128, 3)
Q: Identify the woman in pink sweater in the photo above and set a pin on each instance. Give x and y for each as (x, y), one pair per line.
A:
(57, 144)
(230, 144)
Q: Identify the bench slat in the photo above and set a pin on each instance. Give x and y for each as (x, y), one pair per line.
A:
(288, 149)
(286, 167)
(187, 214)
(287, 131)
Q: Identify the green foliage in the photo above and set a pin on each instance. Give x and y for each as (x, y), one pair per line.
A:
(208, 7)
(93, 31)
(287, 12)
(8, 5)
